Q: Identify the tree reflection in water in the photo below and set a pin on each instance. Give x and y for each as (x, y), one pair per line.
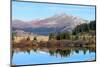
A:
(54, 51)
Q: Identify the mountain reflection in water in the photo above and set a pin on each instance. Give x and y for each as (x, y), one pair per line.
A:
(63, 52)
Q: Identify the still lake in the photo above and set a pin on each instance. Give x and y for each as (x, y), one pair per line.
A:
(44, 56)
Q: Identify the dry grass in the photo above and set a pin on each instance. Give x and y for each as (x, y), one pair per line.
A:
(39, 38)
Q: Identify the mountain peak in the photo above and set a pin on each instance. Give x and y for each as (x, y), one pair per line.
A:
(60, 22)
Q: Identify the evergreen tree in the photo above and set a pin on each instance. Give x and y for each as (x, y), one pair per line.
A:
(35, 38)
(28, 38)
(51, 36)
(58, 37)
(92, 25)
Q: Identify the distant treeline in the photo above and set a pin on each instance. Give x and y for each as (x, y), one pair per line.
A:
(85, 27)
(82, 29)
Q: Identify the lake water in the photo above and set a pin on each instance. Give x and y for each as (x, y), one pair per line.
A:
(43, 56)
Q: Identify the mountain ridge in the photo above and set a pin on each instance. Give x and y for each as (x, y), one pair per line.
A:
(56, 23)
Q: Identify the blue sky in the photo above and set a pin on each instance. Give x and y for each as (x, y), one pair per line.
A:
(28, 11)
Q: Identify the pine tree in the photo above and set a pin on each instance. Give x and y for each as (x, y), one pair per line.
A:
(35, 38)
